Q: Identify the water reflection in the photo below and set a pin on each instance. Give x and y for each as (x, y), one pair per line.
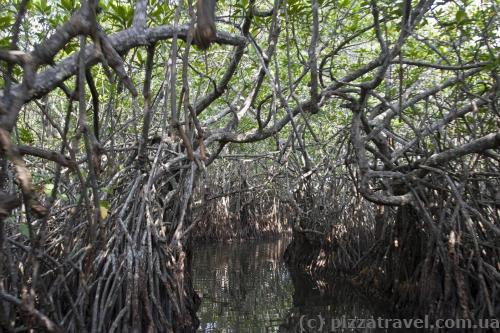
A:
(332, 306)
(246, 287)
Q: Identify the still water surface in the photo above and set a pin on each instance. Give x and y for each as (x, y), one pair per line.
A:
(246, 287)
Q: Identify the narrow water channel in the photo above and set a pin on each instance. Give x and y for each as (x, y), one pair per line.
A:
(246, 287)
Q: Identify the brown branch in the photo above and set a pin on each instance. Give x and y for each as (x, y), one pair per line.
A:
(46, 154)
(121, 41)
(440, 66)
(231, 69)
(42, 319)
(8, 202)
(146, 93)
(484, 143)
(22, 173)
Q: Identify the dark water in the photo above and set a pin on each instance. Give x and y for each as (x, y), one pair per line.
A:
(246, 287)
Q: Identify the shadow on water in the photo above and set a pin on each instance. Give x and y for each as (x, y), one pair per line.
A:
(246, 287)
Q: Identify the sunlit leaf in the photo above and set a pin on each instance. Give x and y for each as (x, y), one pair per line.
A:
(48, 188)
(103, 212)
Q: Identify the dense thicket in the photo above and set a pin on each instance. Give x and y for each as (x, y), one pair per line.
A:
(368, 127)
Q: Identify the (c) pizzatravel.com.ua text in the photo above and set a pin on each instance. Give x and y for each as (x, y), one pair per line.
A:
(318, 323)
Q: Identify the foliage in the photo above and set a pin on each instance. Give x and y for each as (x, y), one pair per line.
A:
(336, 108)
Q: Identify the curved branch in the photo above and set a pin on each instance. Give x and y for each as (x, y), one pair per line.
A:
(121, 41)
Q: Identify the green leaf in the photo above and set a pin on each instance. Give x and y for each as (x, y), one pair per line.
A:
(246, 124)
(495, 62)
(344, 3)
(122, 14)
(25, 135)
(108, 190)
(103, 212)
(24, 230)
(461, 16)
(140, 59)
(42, 6)
(70, 48)
(68, 4)
(6, 21)
(48, 188)
(121, 11)
(10, 219)
(4, 42)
